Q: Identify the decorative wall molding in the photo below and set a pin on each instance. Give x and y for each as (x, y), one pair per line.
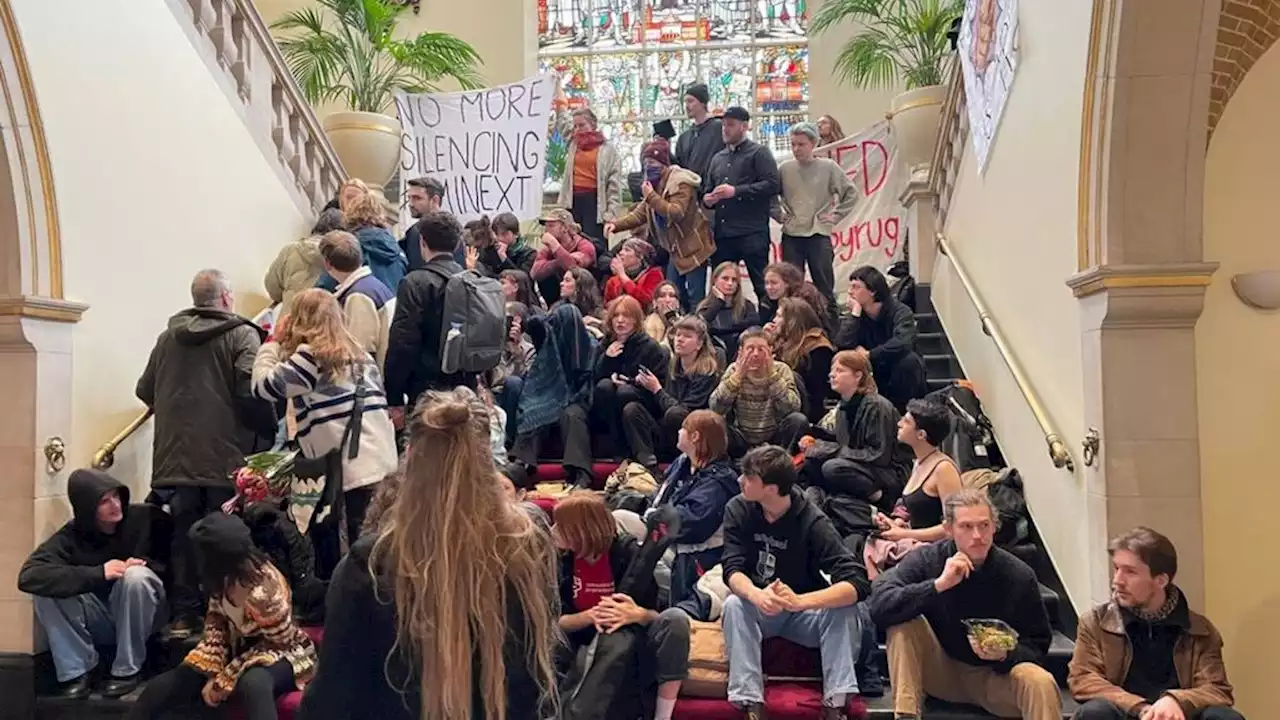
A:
(42, 308)
(24, 154)
(240, 52)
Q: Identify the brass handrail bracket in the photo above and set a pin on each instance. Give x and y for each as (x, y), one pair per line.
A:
(106, 455)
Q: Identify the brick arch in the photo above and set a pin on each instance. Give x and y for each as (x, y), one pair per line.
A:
(1246, 30)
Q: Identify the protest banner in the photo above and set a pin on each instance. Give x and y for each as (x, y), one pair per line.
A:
(488, 147)
(874, 233)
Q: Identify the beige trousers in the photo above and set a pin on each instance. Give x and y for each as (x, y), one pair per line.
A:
(919, 667)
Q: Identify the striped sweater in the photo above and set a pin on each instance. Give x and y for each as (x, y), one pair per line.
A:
(324, 410)
(757, 406)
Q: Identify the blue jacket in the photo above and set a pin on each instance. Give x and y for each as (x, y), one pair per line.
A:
(698, 496)
(382, 255)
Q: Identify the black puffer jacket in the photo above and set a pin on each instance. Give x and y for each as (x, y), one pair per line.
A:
(199, 383)
(867, 434)
(70, 562)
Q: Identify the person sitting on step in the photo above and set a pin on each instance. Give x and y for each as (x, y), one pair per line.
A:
(662, 317)
(95, 582)
(779, 550)
(798, 339)
(692, 376)
(579, 288)
(697, 486)
(627, 353)
(887, 328)
(934, 475)
(251, 650)
(1145, 654)
(925, 600)
(594, 557)
(633, 274)
(784, 280)
(757, 396)
(726, 309)
(861, 464)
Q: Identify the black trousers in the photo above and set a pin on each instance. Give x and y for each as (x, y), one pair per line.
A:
(788, 432)
(752, 251)
(584, 210)
(816, 252)
(1097, 709)
(649, 437)
(188, 505)
(904, 381)
(356, 506)
(177, 693)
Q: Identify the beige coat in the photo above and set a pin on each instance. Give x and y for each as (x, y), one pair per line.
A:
(609, 176)
(688, 234)
(297, 267)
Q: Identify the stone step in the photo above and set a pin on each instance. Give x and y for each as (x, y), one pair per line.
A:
(928, 323)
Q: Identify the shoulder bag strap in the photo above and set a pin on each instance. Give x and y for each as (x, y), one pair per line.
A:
(351, 437)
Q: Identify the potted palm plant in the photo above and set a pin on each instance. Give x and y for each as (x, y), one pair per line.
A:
(900, 43)
(346, 51)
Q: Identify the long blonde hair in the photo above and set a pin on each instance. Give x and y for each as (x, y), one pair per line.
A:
(454, 549)
(316, 320)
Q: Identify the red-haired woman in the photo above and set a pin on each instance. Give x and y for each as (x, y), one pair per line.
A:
(594, 561)
(627, 353)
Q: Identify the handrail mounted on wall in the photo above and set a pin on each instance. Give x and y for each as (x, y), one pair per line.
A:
(1053, 439)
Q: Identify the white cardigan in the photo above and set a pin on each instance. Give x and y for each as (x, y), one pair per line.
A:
(324, 410)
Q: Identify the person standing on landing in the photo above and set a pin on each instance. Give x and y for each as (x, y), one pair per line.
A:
(777, 549)
(1145, 654)
(740, 185)
(95, 582)
(816, 197)
(704, 138)
(367, 304)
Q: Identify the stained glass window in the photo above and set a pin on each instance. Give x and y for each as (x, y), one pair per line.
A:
(630, 61)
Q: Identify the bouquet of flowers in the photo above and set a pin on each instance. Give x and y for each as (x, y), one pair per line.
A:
(265, 476)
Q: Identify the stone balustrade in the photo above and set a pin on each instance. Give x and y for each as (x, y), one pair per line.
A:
(237, 45)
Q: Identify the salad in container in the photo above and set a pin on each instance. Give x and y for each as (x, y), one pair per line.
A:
(992, 635)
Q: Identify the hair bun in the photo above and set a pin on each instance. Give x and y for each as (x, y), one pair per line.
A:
(447, 415)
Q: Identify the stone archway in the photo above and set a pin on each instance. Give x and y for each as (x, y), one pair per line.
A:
(35, 356)
(1142, 272)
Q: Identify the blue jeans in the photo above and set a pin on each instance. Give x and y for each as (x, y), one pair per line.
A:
(134, 611)
(692, 286)
(836, 632)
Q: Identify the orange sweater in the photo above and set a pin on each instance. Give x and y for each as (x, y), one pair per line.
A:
(584, 170)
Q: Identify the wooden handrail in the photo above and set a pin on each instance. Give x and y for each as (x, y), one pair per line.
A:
(1053, 439)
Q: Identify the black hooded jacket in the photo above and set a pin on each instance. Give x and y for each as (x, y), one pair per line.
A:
(70, 562)
(199, 383)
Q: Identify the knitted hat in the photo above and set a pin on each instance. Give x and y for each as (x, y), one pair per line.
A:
(699, 92)
(222, 543)
(657, 149)
(642, 249)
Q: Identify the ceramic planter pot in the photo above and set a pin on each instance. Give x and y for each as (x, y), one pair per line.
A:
(914, 115)
(368, 144)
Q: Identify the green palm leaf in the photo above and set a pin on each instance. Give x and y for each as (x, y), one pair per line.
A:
(900, 40)
(346, 50)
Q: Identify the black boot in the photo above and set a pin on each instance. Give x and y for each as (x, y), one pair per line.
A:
(76, 689)
(118, 687)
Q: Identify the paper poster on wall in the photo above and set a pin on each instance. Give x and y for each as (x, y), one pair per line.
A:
(874, 233)
(988, 48)
(488, 147)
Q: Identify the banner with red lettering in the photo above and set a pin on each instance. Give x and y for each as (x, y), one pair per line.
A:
(875, 232)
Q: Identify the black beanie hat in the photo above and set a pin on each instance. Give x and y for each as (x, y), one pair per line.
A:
(699, 92)
(222, 543)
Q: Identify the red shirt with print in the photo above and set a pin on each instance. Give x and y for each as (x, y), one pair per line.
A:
(592, 582)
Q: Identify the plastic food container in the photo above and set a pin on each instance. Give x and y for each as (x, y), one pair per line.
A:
(992, 634)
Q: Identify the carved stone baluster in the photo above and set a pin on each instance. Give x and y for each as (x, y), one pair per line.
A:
(241, 41)
(203, 14)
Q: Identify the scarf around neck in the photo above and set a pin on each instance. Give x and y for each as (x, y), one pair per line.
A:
(1172, 596)
(589, 140)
